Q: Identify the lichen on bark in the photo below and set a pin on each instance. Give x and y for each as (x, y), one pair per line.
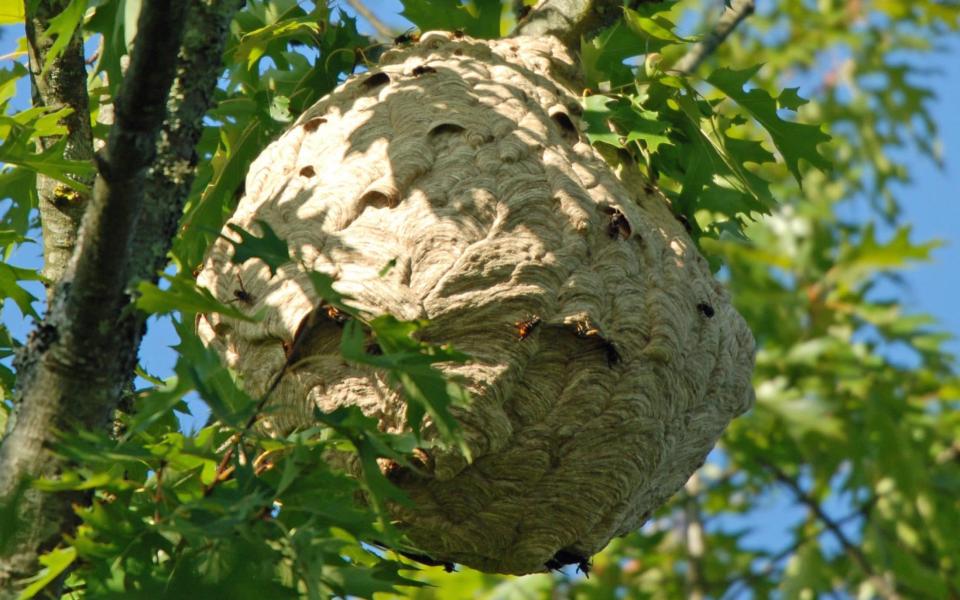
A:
(463, 161)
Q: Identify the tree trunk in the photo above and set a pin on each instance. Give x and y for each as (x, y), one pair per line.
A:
(73, 371)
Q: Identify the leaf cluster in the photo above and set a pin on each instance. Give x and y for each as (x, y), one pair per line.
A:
(690, 144)
(855, 426)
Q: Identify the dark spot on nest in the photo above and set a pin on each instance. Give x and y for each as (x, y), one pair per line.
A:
(423, 70)
(565, 557)
(449, 567)
(568, 130)
(376, 80)
(308, 171)
(373, 348)
(445, 128)
(313, 124)
(618, 227)
(613, 355)
(706, 310)
(410, 35)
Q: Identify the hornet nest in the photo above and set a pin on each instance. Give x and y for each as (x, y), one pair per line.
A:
(605, 359)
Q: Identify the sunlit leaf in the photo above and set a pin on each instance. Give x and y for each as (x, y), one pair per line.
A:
(186, 296)
(795, 141)
(54, 563)
(479, 18)
(268, 247)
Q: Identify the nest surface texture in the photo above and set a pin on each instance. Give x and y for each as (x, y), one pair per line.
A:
(464, 162)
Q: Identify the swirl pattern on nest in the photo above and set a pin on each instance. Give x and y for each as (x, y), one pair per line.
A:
(463, 161)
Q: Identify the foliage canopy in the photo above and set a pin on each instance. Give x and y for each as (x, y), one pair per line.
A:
(866, 444)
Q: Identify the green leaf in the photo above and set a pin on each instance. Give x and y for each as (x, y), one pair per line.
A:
(858, 261)
(11, 13)
(156, 405)
(19, 185)
(17, 150)
(634, 123)
(357, 581)
(656, 31)
(109, 20)
(204, 216)
(254, 44)
(479, 18)
(795, 141)
(270, 249)
(641, 31)
(790, 99)
(62, 27)
(602, 56)
(323, 286)
(363, 433)
(8, 82)
(409, 362)
(186, 296)
(9, 288)
(201, 367)
(54, 563)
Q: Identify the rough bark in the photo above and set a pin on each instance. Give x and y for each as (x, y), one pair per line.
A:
(464, 162)
(62, 85)
(571, 20)
(170, 176)
(72, 370)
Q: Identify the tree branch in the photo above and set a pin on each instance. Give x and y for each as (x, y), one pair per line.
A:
(362, 10)
(732, 16)
(62, 85)
(68, 374)
(772, 562)
(171, 175)
(884, 588)
(570, 20)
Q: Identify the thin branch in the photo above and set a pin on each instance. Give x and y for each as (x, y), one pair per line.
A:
(884, 587)
(772, 562)
(69, 373)
(362, 10)
(733, 14)
(695, 540)
(61, 85)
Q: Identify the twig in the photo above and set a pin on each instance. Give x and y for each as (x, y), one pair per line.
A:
(855, 553)
(361, 8)
(732, 16)
(772, 562)
(223, 471)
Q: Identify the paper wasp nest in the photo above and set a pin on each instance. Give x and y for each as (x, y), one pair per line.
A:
(463, 161)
